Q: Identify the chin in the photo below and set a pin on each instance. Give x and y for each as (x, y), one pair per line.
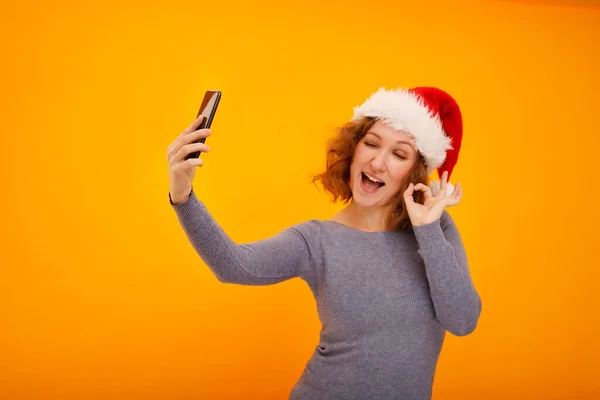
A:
(368, 200)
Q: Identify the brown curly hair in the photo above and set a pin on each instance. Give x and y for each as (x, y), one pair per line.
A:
(336, 178)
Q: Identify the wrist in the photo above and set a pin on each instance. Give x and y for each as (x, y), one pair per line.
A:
(177, 199)
(425, 222)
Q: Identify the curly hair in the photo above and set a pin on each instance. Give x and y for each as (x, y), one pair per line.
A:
(336, 177)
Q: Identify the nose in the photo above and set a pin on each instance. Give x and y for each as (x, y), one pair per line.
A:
(378, 162)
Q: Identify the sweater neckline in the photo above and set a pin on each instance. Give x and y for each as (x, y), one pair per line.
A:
(394, 232)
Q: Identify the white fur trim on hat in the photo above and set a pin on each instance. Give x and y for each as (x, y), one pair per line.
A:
(406, 111)
(435, 187)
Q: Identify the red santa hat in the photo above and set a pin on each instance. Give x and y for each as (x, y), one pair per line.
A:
(430, 115)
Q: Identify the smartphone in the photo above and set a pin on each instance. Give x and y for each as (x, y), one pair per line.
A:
(207, 109)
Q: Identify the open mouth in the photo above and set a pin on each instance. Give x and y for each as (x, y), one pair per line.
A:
(370, 185)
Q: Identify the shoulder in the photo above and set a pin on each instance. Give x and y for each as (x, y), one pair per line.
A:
(310, 234)
(309, 227)
(309, 230)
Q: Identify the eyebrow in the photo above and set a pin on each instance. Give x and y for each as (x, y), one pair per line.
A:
(398, 141)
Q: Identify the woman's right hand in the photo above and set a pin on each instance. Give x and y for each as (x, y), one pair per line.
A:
(182, 171)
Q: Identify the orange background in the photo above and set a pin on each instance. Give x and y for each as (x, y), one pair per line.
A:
(101, 295)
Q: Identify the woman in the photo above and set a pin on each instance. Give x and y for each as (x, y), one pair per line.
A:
(389, 272)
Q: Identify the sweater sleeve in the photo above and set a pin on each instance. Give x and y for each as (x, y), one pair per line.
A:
(283, 256)
(456, 303)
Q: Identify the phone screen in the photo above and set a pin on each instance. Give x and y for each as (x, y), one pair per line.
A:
(207, 109)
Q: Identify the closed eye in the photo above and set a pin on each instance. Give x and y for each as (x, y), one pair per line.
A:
(396, 154)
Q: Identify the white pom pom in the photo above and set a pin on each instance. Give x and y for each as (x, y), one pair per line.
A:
(435, 187)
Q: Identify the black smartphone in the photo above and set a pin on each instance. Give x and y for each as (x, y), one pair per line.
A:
(207, 109)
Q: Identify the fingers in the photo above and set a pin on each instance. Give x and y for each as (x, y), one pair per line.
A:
(195, 136)
(426, 191)
(194, 126)
(454, 199)
(408, 193)
(191, 162)
(443, 184)
(190, 148)
(183, 140)
(419, 186)
(190, 129)
(182, 167)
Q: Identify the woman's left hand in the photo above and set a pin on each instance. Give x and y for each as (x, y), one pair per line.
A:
(423, 214)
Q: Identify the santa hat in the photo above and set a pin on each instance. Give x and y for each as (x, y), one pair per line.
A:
(430, 115)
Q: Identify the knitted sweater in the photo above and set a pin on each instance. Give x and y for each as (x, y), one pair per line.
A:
(385, 299)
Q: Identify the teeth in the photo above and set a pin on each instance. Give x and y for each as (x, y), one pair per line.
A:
(374, 180)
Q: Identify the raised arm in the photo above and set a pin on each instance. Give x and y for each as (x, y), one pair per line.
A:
(264, 262)
(456, 302)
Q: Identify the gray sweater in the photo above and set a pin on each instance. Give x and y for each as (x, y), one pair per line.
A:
(384, 299)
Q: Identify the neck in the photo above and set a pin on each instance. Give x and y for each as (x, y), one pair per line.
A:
(365, 218)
